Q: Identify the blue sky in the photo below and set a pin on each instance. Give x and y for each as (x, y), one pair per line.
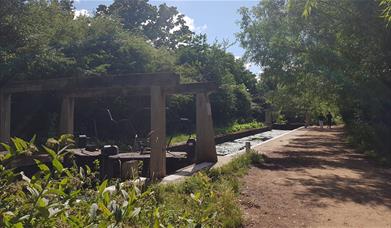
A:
(217, 18)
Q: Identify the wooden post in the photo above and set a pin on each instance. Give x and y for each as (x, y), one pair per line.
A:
(268, 118)
(67, 115)
(205, 145)
(157, 165)
(5, 117)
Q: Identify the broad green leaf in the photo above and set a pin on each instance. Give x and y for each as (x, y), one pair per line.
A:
(57, 165)
(44, 168)
(104, 209)
(102, 186)
(50, 152)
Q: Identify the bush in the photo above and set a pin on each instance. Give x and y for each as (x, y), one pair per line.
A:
(58, 196)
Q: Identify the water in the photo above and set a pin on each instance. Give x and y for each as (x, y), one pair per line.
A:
(238, 144)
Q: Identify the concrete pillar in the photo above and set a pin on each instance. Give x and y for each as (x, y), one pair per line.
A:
(268, 118)
(157, 165)
(5, 117)
(205, 145)
(67, 115)
(307, 119)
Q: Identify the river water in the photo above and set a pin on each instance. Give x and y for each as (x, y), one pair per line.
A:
(238, 144)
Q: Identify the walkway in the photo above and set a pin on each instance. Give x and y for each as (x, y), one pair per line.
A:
(312, 179)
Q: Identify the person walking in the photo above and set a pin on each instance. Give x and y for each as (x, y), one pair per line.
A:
(329, 119)
(321, 120)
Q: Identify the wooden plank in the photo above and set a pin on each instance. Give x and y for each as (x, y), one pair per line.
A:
(79, 83)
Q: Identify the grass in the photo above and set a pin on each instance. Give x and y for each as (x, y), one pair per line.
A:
(234, 127)
(213, 194)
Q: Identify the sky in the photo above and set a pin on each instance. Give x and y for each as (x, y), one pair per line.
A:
(218, 19)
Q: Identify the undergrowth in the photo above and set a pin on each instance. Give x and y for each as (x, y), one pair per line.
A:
(59, 196)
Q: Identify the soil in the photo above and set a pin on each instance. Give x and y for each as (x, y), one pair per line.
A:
(311, 178)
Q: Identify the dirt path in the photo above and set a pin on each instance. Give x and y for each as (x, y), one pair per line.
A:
(312, 179)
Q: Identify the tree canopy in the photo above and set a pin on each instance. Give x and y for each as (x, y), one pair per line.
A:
(336, 57)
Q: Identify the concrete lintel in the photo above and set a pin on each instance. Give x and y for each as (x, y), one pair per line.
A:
(96, 82)
(192, 88)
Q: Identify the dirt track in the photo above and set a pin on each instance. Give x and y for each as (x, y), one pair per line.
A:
(312, 179)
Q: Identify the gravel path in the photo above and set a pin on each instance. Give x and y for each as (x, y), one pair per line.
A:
(312, 179)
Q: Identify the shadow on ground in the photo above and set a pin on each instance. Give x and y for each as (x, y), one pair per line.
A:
(331, 170)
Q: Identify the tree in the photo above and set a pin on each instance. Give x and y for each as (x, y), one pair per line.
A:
(334, 58)
(163, 25)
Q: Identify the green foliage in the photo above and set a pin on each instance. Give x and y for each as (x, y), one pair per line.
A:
(231, 128)
(236, 127)
(334, 59)
(55, 196)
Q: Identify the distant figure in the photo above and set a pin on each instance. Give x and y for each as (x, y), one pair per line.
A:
(321, 120)
(329, 119)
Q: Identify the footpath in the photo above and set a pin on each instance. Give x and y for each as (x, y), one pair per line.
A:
(311, 178)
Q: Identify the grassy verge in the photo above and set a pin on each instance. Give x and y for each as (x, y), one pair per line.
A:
(234, 127)
(213, 195)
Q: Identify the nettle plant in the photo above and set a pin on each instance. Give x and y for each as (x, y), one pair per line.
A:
(55, 195)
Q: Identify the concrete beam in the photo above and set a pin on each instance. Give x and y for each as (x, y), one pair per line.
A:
(157, 166)
(205, 146)
(5, 117)
(67, 115)
(101, 82)
(192, 88)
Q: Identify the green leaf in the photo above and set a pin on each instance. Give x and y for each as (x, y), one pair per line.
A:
(32, 140)
(42, 202)
(17, 225)
(24, 177)
(50, 152)
(106, 197)
(34, 192)
(102, 186)
(64, 181)
(57, 165)
(44, 168)
(68, 173)
(104, 209)
(136, 212)
(6, 147)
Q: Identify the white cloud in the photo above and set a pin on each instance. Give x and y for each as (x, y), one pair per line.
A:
(191, 24)
(82, 12)
(248, 66)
